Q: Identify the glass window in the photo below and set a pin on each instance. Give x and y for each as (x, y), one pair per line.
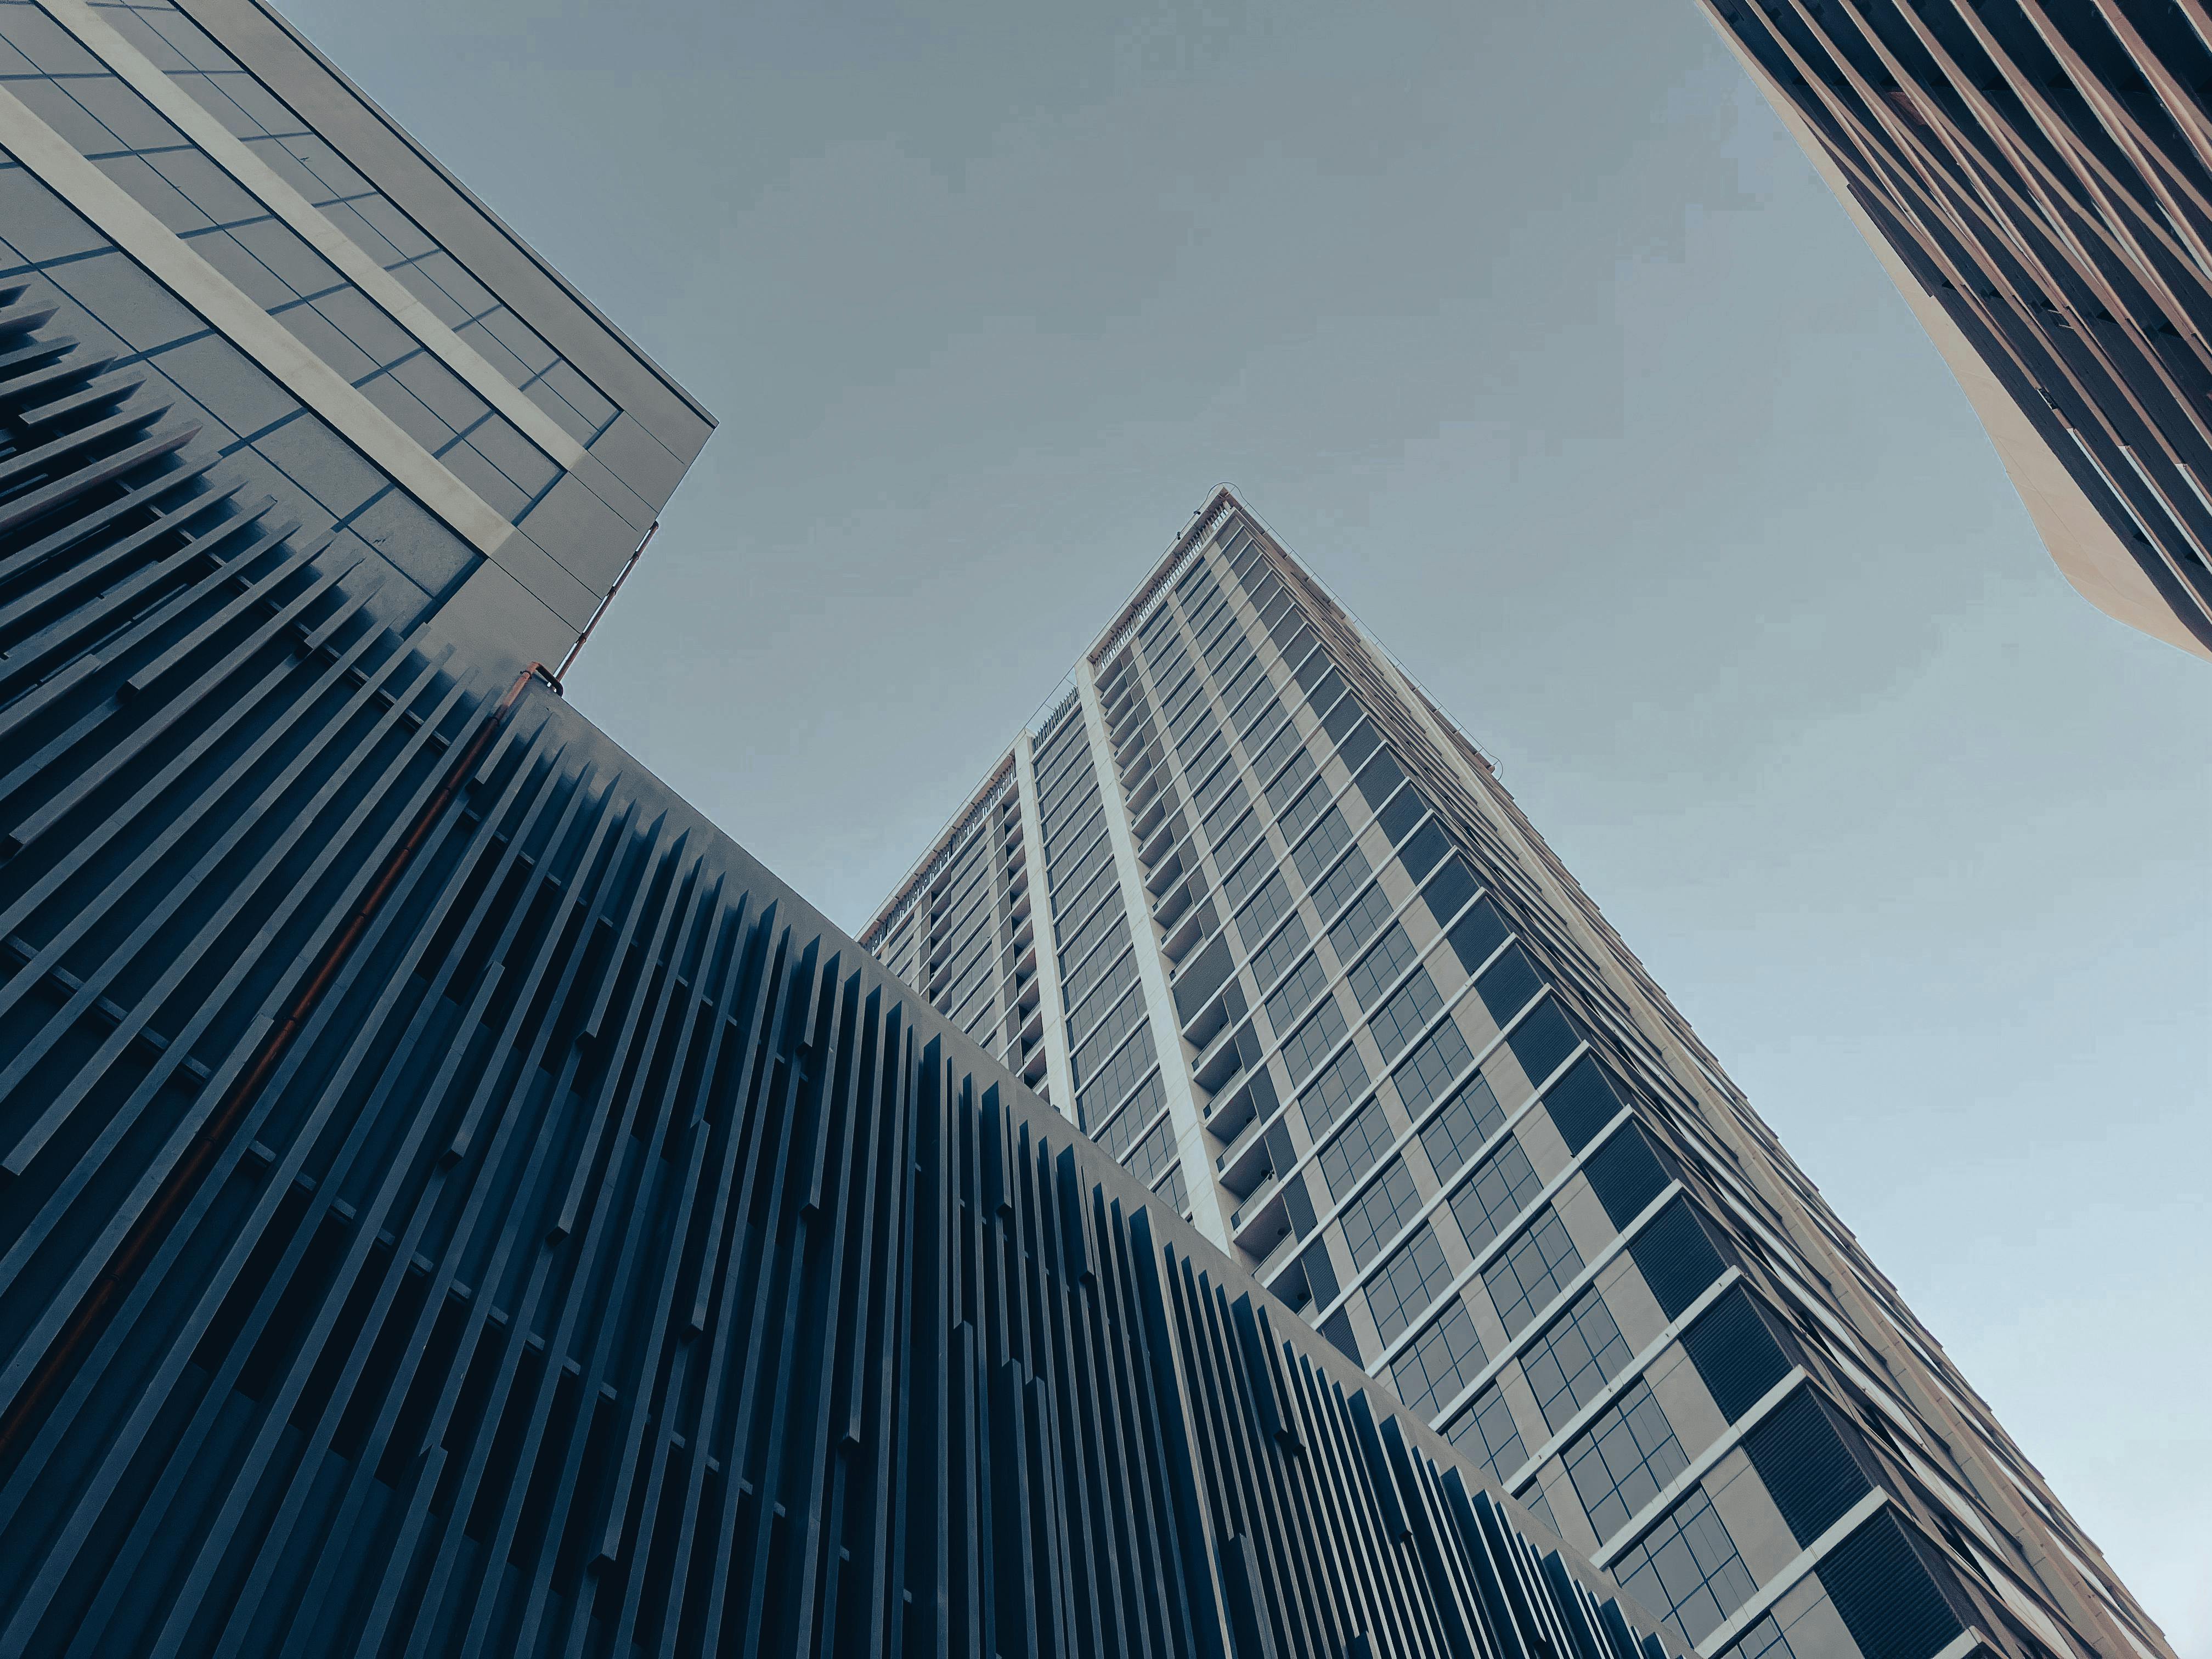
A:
(1408, 1283)
(1296, 993)
(1764, 1640)
(1116, 1134)
(1155, 1152)
(1448, 891)
(1125, 1016)
(1621, 1462)
(1306, 810)
(1220, 780)
(1400, 815)
(1226, 809)
(1331, 836)
(1506, 986)
(1198, 758)
(1569, 1365)
(1118, 1077)
(1524, 1280)
(1242, 835)
(1373, 1219)
(1494, 1194)
(1451, 1137)
(1687, 1568)
(1260, 722)
(1377, 780)
(1174, 1192)
(1315, 1039)
(1485, 1432)
(1242, 881)
(1398, 1021)
(1236, 686)
(1379, 968)
(1326, 689)
(1269, 961)
(1281, 792)
(1268, 907)
(1436, 1061)
(1336, 1087)
(1440, 1362)
(1422, 849)
(1354, 1153)
(1357, 925)
(1358, 744)
(1348, 878)
(1279, 750)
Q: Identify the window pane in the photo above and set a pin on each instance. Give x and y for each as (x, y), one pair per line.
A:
(1499, 1191)
(1687, 1567)
(1621, 1461)
(1335, 1088)
(1358, 924)
(1398, 1021)
(1439, 1363)
(1451, 1137)
(1348, 878)
(1373, 1219)
(1485, 1432)
(1569, 1365)
(1314, 1039)
(1268, 962)
(1297, 993)
(1524, 1280)
(1436, 1061)
(1380, 967)
(1401, 1291)
(1353, 1152)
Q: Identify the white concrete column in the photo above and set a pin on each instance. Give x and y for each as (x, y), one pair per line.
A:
(1205, 1206)
(1057, 1070)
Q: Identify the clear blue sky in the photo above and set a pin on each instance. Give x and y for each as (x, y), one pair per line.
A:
(1525, 326)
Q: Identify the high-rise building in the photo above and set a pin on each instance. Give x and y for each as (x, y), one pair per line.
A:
(453, 1202)
(2037, 180)
(1247, 908)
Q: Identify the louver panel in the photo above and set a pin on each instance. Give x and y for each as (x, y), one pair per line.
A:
(1887, 1601)
(1736, 1352)
(458, 1203)
(1676, 1257)
(1808, 1473)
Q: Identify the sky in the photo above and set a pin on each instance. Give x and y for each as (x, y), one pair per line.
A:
(1526, 327)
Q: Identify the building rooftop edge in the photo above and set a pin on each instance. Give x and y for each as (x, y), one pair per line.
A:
(522, 244)
(940, 848)
(1218, 502)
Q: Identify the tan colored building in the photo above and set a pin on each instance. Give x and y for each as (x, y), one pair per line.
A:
(2038, 182)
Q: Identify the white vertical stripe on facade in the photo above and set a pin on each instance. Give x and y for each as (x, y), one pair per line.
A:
(1205, 1193)
(1054, 1006)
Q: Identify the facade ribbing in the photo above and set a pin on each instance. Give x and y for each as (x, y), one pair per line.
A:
(457, 1203)
(1298, 960)
(453, 1201)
